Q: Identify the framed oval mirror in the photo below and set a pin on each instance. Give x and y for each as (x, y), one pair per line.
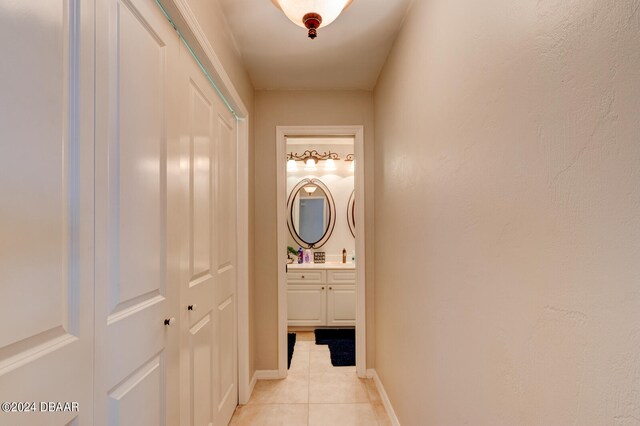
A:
(312, 213)
(351, 213)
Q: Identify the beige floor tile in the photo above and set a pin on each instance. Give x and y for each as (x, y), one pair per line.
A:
(381, 414)
(320, 362)
(374, 396)
(300, 362)
(305, 336)
(303, 345)
(271, 415)
(338, 388)
(342, 415)
(319, 348)
(292, 390)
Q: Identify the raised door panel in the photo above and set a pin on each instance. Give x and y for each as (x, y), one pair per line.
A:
(341, 277)
(46, 236)
(201, 180)
(341, 301)
(143, 388)
(200, 374)
(135, 361)
(307, 305)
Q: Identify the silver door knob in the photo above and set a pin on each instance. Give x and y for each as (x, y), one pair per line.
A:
(169, 321)
(193, 307)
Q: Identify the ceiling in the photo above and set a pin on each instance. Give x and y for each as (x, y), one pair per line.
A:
(348, 54)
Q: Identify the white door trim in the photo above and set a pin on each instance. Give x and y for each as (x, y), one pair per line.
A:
(281, 151)
(186, 24)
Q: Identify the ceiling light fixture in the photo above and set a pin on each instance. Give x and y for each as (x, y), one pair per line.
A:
(312, 14)
(310, 189)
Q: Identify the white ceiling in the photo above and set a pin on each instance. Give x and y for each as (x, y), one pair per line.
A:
(348, 54)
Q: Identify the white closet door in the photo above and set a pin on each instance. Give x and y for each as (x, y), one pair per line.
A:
(225, 373)
(46, 209)
(208, 361)
(136, 352)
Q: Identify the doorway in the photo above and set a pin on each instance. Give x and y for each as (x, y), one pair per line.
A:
(351, 218)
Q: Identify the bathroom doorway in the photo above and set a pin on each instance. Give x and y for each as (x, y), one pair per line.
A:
(321, 241)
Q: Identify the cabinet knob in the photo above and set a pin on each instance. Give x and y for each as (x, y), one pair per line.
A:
(303, 277)
(169, 321)
(330, 288)
(193, 307)
(323, 288)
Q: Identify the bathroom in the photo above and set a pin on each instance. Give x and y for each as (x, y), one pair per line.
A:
(321, 240)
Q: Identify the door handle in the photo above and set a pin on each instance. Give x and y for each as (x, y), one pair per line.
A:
(193, 307)
(169, 321)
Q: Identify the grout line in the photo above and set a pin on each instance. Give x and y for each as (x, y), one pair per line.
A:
(309, 390)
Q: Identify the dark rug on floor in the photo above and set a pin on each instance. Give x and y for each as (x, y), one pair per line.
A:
(342, 345)
(291, 341)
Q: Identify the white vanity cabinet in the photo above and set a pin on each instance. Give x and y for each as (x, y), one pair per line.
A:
(321, 296)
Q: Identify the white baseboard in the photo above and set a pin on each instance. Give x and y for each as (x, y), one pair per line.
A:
(267, 375)
(372, 374)
(252, 384)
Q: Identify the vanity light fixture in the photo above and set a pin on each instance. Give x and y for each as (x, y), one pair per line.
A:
(311, 159)
(330, 164)
(310, 165)
(312, 14)
(292, 166)
(352, 158)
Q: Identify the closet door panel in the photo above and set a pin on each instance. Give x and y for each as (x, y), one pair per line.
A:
(198, 285)
(46, 209)
(135, 304)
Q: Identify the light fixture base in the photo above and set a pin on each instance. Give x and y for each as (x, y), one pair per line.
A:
(312, 21)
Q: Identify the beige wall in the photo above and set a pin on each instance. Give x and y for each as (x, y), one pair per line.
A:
(507, 202)
(299, 108)
(211, 18)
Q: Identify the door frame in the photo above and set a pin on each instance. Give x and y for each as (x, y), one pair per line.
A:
(357, 132)
(184, 21)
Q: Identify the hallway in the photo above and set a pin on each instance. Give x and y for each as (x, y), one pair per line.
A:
(315, 394)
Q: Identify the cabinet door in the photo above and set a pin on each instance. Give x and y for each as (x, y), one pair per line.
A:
(307, 304)
(341, 301)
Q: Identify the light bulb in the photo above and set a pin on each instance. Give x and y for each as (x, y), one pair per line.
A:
(310, 165)
(292, 166)
(310, 189)
(330, 164)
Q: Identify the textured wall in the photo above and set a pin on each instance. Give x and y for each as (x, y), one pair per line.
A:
(507, 202)
(299, 108)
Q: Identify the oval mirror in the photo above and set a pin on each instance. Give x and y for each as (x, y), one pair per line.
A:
(312, 213)
(351, 213)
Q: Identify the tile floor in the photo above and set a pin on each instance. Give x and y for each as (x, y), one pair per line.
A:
(315, 393)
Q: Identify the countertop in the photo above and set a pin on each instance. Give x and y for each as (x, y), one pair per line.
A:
(348, 265)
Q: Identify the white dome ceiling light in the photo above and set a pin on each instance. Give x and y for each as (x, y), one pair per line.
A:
(312, 14)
